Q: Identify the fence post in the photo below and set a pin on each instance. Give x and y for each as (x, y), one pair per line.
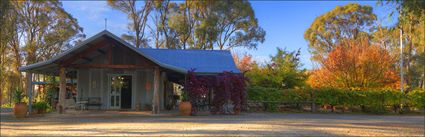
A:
(313, 103)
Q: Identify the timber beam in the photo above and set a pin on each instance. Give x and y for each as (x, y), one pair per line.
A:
(82, 54)
(101, 51)
(121, 66)
(88, 59)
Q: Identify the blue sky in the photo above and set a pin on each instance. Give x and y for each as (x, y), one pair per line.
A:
(283, 21)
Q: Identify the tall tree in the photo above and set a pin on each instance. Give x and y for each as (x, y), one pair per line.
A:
(356, 64)
(225, 24)
(244, 62)
(284, 71)
(36, 31)
(207, 25)
(343, 22)
(5, 25)
(182, 22)
(44, 28)
(163, 11)
(411, 20)
(138, 19)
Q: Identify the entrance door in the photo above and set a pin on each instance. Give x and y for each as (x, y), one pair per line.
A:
(126, 93)
(120, 94)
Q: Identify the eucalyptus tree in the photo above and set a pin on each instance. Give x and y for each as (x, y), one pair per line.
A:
(163, 12)
(237, 25)
(138, 19)
(226, 24)
(411, 20)
(351, 21)
(34, 31)
(205, 25)
(5, 25)
(44, 28)
(182, 23)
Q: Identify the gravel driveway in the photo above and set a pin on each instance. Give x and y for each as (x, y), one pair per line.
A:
(246, 124)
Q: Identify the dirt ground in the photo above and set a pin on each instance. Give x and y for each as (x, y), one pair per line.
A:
(247, 124)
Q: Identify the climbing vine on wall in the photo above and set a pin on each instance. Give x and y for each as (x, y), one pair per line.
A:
(228, 87)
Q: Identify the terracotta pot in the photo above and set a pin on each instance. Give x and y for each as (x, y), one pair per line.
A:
(237, 112)
(41, 111)
(34, 111)
(20, 110)
(148, 107)
(185, 108)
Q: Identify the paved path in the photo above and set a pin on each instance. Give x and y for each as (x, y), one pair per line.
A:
(253, 124)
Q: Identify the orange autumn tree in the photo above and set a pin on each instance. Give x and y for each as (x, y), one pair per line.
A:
(355, 64)
(243, 63)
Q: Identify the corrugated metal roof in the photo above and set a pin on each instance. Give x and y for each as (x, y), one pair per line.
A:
(203, 61)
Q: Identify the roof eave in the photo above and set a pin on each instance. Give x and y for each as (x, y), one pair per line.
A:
(60, 55)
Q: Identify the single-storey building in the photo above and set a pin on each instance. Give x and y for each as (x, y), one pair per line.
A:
(122, 76)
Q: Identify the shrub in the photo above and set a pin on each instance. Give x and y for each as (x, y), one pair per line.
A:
(18, 95)
(40, 105)
(228, 87)
(416, 98)
(373, 101)
(264, 94)
(7, 105)
(196, 88)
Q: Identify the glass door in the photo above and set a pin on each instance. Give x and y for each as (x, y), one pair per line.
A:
(117, 83)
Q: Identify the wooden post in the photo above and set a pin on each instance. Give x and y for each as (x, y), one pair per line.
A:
(110, 55)
(30, 87)
(313, 101)
(62, 90)
(155, 100)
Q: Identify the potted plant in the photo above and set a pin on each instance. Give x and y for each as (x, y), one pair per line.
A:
(40, 107)
(148, 107)
(20, 109)
(185, 107)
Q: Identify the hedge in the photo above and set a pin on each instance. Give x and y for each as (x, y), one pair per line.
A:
(368, 101)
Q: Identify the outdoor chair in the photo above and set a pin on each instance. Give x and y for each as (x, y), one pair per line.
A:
(82, 103)
(70, 104)
(94, 101)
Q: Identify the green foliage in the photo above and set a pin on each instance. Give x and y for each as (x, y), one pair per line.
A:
(185, 96)
(374, 101)
(32, 31)
(283, 72)
(51, 89)
(41, 105)
(47, 29)
(411, 20)
(137, 20)
(192, 24)
(7, 105)
(350, 21)
(416, 98)
(273, 96)
(18, 96)
(257, 93)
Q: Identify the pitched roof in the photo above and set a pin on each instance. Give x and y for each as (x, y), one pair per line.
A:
(203, 61)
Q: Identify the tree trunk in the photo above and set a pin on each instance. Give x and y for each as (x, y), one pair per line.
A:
(423, 75)
(155, 103)
(30, 88)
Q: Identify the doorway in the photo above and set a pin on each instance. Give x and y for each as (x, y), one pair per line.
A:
(120, 92)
